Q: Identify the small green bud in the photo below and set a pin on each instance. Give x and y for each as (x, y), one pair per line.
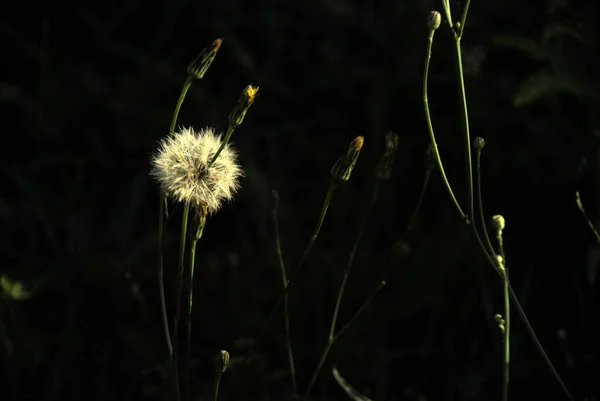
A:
(197, 68)
(384, 168)
(434, 20)
(498, 223)
(342, 169)
(478, 143)
(244, 102)
(221, 361)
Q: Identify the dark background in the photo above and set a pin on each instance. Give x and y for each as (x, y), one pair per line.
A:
(87, 90)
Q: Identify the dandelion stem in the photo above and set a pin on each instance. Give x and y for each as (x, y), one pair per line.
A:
(338, 303)
(184, 223)
(506, 362)
(164, 214)
(192, 262)
(228, 134)
(286, 312)
(161, 286)
(330, 191)
(216, 386)
(463, 19)
(434, 146)
(466, 132)
(340, 333)
(488, 243)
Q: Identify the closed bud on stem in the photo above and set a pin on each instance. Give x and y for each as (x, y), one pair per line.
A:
(478, 143)
(244, 102)
(434, 20)
(383, 170)
(221, 361)
(197, 68)
(498, 223)
(342, 169)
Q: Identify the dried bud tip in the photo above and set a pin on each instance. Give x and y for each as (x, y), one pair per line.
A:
(498, 223)
(244, 102)
(479, 143)
(384, 168)
(434, 20)
(342, 169)
(197, 68)
(221, 361)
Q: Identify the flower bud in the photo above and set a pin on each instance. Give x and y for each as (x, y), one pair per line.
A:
(434, 20)
(478, 143)
(342, 169)
(221, 361)
(384, 168)
(244, 102)
(197, 68)
(498, 223)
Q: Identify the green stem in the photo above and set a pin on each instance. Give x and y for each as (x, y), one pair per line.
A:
(228, 134)
(184, 223)
(216, 386)
(465, 121)
(434, 146)
(184, 90)
(330, 191)
(161, 279)
(340, 333)
(463, 19)
(488, 243)
(351, 259)
(506, 362)
(192, 262)
(286, 312)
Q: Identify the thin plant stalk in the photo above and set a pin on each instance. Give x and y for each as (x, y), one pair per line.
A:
(506, 349)
(184, 224)
(164, 211)
(339, 334)
(466, 131)
(286, 311)
(228, 134)
(486, 237)
(215, 394)
(430, 128)
(192, 262)
(330, 192)
(340, 295)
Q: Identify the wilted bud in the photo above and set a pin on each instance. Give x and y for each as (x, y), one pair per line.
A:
(199, 66)
(221, 361)
(498, 223)
(478, 143)
(343, 167)
(384, 168)
(244, 102)
(434, 20)
(429, 158)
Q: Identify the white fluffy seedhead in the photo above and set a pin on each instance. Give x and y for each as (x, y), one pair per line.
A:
(181, 168)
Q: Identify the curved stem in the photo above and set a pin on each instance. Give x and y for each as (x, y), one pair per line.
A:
(228, 134)
(188, 323)
(216, 386)
(161, 278)
(506, 362)
(486, 237)
(184, 90)
(430, 129)
(288, 340)
(465, 121)
(463, 19)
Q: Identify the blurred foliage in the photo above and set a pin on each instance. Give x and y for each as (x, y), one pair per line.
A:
(87, 95)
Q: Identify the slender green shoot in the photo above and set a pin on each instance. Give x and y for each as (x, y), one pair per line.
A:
(192, 261)
(215, 393)
(430, 128)
(286, 311)
(184, 224)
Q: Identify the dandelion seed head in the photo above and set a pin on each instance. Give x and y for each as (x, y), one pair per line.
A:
(181, 169)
